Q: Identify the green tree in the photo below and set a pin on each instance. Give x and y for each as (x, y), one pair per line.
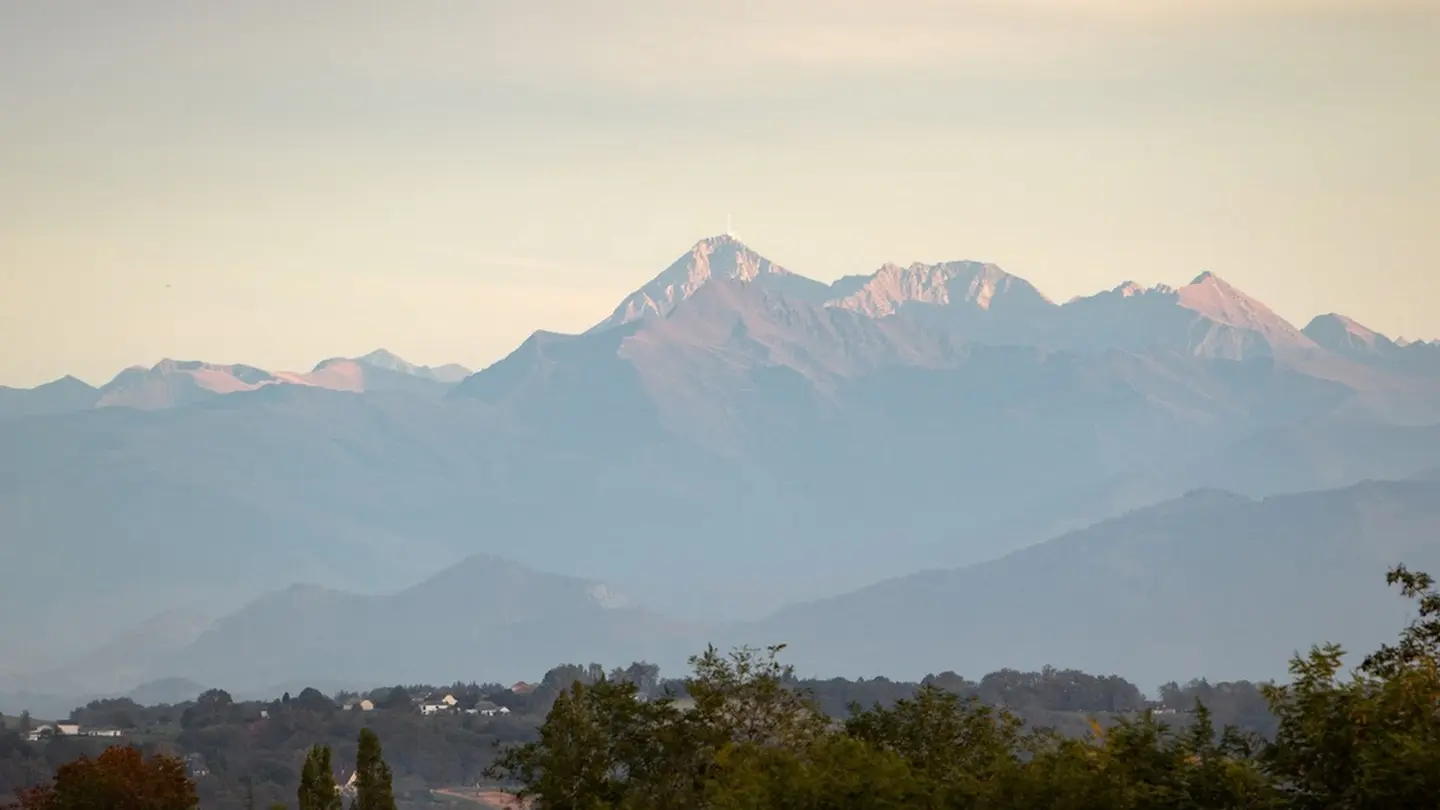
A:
(602, 747)
(599, 747)
(313, 700)
(832, 772)
(964, 748)
(373, 789)
(396, 699)
(1139, 764)
(645, 676)
(317, 781)
(1369, 740)
(748, 697)
(742, 701)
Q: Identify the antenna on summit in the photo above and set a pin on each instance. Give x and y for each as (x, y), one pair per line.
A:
(728, 231)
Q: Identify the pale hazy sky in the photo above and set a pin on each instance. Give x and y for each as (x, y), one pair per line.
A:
(277, 182)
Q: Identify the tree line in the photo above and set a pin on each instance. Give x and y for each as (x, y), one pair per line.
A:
(741, 731)
(257, 749)
(741, 739)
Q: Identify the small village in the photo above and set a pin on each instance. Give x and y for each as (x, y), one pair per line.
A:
(430, 704)
(446, 703)
(45, 731)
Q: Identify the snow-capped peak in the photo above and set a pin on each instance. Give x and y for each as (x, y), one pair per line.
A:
(1213, 297)
(977, 284)
(722, 257)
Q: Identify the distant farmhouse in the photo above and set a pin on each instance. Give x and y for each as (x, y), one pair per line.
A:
(68, 729)
(437, 704)
(487, 709)
(41, 732)
(446, 703)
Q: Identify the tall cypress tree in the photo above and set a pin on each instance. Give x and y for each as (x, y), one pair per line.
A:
(317, 782)
(372, 776)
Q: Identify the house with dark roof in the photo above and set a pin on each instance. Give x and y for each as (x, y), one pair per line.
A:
(436, 704)
(487, 709)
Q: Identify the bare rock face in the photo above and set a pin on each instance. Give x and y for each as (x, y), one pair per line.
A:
(974, 300)
(977, 284)
(717, 258)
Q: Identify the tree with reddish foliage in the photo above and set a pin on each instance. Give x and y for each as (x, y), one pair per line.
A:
(119, 779)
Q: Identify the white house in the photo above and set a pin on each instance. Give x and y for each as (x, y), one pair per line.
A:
(104, 732)
(68, 729)
(434, 704)
(489, 709)
(39, 731)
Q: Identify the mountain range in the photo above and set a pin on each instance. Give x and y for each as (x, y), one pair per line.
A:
(173, 383)
(733, 440)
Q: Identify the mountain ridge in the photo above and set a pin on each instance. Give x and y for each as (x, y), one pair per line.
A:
(1113, 596)
(1208, 317)
(57, 396)
(960, 295)
(512, 622)
(713, 258)
(176, 383)
(1350, 339)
